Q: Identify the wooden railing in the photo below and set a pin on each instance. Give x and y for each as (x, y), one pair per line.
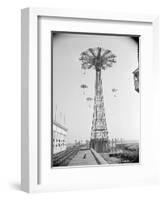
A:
(64, 157)
(99, 159)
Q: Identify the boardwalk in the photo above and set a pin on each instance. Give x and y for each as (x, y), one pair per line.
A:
(83, 157)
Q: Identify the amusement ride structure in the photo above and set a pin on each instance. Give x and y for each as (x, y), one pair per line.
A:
(98, 59)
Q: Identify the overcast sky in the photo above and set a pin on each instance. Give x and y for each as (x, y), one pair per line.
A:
(122, 112)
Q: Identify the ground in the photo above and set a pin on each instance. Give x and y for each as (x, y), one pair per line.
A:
(83, 157)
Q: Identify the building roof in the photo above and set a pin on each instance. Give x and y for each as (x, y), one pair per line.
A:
(60, 125)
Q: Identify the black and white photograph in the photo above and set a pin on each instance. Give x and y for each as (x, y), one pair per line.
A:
(95, 99)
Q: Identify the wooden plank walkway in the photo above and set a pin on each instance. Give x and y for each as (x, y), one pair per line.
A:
(83, 157)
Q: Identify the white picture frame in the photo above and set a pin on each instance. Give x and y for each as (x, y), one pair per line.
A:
(36, 174)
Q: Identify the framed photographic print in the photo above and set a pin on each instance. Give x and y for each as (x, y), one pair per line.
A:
(98, 139)
(88, 107)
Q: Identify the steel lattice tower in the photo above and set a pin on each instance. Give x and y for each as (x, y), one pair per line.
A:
(98, 59)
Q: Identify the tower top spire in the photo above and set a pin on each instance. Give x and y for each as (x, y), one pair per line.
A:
(97, 58)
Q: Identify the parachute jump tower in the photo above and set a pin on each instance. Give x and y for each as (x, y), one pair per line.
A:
(98, 59)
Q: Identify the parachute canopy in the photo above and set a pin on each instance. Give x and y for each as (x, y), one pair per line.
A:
(89, 98)
(84, 86)
(114, 90)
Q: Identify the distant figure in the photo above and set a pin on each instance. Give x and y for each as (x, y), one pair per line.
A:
(84, 157)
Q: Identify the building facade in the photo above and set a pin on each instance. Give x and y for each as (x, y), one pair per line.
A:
(59, 137)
